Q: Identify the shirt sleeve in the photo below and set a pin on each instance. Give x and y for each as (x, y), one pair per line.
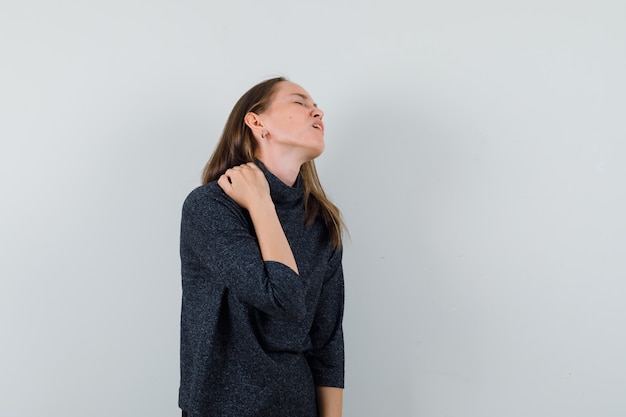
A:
(326, 358)
(218, 243)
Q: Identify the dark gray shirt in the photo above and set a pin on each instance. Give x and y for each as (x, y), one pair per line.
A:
(256, 338)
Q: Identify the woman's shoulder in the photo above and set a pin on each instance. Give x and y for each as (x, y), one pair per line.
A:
(208, 196)
(205, 190)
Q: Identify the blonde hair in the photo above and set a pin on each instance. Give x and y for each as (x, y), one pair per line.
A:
(237, 145)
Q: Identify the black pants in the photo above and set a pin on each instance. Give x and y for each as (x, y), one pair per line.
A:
(184, 413)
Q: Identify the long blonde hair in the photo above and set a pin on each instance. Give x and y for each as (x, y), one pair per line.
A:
(237, 145)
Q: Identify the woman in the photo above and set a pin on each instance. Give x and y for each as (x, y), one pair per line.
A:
(262, 308)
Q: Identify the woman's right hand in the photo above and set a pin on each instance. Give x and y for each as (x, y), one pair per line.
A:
(247, 185)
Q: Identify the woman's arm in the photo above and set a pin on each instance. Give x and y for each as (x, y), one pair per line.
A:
(247, 185)
(329, 401)
(219, 248)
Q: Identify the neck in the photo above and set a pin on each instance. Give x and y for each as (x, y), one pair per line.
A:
(285, 169)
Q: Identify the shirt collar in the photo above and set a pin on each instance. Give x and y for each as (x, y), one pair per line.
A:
(281, 192)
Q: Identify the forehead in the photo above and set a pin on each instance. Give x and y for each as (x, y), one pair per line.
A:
(288, 88)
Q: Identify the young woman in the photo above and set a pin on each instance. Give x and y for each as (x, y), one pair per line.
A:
(263, 295)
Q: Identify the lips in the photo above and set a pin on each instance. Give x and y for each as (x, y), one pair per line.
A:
(319, 125)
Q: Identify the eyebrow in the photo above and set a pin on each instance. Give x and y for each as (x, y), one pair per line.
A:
(303, 97)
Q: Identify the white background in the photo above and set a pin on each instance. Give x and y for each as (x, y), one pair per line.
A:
(477, 149)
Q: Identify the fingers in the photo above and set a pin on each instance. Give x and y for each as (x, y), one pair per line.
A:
(245, 184)
(248, 172)
(224, 182)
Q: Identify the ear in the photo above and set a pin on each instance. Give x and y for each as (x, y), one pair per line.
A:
(253, 121)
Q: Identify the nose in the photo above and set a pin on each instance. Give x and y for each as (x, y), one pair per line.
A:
(317, 112)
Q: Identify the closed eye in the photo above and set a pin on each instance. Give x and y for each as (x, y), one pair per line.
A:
(301, 99)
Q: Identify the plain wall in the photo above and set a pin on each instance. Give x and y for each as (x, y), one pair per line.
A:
(477, 149)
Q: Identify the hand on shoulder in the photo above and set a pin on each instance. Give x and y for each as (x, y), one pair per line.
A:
(246, 184)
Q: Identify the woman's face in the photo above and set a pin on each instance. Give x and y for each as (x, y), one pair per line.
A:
(293, 121)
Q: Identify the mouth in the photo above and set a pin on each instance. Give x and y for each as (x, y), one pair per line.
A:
(319, 125)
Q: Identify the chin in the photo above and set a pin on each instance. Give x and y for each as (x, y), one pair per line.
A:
(317, 151)
(311, 148)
